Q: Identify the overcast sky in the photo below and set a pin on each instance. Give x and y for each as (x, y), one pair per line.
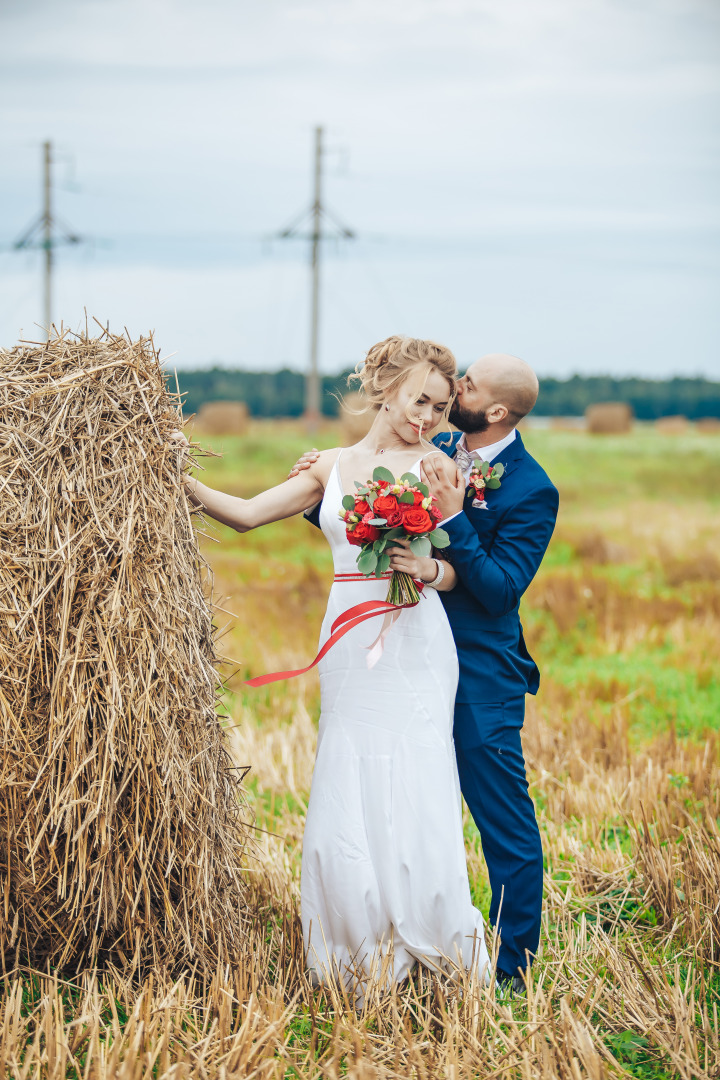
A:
(533, 176)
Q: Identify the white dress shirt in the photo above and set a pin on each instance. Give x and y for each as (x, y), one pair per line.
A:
(483, 453)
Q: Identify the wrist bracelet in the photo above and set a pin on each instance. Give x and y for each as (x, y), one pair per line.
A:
(439, 576)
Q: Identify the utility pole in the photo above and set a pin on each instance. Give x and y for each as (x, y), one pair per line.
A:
(316, 214)
(40, 235)
(312, 389)
(47, 235)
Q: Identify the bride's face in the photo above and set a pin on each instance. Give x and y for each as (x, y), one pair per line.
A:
(412, 414)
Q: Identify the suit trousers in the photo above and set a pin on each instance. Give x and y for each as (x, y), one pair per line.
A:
(493, 782)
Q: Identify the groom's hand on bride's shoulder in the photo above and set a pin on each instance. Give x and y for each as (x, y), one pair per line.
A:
(308, 458)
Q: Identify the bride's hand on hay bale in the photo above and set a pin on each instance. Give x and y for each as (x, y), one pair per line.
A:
(181, 439)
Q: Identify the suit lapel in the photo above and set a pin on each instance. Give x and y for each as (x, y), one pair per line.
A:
(512, 455)
(447, 441)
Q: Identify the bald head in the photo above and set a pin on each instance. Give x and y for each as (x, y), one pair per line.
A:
(507, 380)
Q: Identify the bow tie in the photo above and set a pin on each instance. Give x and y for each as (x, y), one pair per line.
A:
(464, 459)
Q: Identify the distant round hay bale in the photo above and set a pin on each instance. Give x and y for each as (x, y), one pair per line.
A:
(222, 418)
(709, 425)
(673, 425)
(121, 814)
(609, 418)
(355, 423)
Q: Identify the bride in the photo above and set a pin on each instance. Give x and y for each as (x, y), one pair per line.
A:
(384, 879)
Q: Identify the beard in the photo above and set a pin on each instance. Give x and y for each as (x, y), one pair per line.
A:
(472, 423)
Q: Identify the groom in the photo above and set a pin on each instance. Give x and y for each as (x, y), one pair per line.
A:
(496, 549)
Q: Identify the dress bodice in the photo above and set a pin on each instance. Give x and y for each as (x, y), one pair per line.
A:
(344, 553)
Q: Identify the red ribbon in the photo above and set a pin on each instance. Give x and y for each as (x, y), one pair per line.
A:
(354, 616)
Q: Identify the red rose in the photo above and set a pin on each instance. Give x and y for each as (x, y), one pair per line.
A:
(384, 505)
(363, 534)
(361, 507)
(418, 497)
(417, 520)
(395, 518)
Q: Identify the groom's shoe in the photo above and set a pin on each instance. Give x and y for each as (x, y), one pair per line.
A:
(509, 986)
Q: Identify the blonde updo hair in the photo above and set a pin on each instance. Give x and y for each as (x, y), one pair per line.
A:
(389, 363)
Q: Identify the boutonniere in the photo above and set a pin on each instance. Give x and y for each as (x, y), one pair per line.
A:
(484, 477)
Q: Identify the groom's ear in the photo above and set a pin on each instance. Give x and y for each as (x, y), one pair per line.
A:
(497, 413)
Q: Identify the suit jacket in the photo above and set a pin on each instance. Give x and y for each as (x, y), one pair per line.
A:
(496, 553)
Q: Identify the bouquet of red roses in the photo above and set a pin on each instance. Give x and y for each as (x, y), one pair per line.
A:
(385, 510)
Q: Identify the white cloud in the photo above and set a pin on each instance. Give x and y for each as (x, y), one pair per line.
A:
(474, 122)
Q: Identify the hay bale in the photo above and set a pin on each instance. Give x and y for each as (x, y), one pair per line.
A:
(673, 425)
(122, 820)
(709, 425)
(355, 424)
(222, 418)
(609, 418)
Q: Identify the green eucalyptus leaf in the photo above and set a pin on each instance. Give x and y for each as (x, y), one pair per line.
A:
(439, 538)
(379, 545)
(395, 534)
(378, 521)
(484, 468)
(383, 474)
(406, 497)
(424, 488)
(348, 502)
(367, 561)
(383, 564)
(370, 498)
(410, 478)
(421, 546)
(492, 483)
(498, 469)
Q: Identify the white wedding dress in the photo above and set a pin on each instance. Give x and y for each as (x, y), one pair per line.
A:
(383, 854)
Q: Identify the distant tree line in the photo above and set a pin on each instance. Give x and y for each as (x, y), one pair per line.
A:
(649, 398)
(266, 393)
(281, 393)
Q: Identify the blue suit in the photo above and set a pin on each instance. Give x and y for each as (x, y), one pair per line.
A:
(496, 553)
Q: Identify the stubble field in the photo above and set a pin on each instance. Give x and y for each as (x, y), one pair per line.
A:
(622, 748)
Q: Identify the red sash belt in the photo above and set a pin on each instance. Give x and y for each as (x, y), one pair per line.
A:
(354, 616)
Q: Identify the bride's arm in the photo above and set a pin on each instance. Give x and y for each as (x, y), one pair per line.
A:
(282, 501)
